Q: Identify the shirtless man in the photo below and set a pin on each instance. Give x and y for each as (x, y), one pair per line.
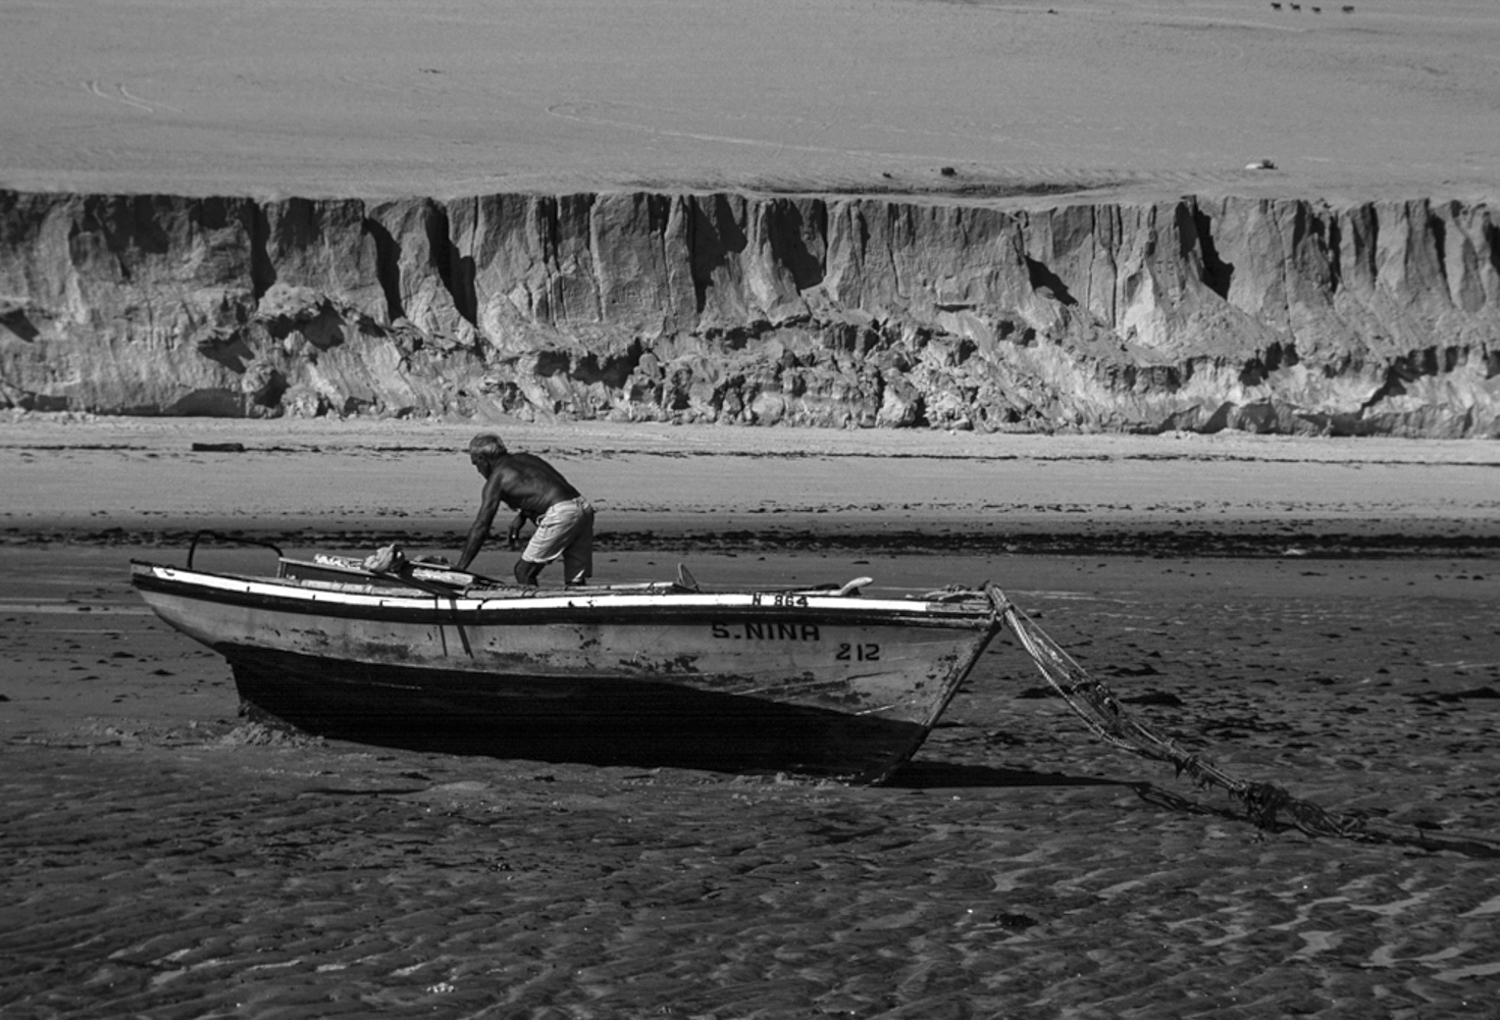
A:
(564, 519)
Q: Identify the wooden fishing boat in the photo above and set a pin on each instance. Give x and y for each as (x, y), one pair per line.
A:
(817, 681)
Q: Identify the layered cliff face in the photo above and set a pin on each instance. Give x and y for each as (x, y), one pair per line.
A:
(1271, 316)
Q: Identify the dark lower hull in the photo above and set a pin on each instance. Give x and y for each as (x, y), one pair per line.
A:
(610, 721)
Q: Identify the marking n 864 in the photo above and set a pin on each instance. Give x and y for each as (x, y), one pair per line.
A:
(780, 598)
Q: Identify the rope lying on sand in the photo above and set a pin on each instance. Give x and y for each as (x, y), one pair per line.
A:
(1093, 702)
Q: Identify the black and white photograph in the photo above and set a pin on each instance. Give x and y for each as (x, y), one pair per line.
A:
(749, 509)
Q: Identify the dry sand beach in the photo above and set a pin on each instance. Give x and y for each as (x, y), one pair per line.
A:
(1321, 614)
(685, 489)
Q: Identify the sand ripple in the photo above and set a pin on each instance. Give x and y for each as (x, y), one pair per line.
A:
(189, 865)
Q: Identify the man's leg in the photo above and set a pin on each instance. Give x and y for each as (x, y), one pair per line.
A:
(578, 557)
(527, 573)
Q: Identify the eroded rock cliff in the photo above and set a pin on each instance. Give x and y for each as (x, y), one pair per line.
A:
(1274, 316)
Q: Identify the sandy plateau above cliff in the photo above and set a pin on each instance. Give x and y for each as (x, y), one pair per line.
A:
(1125, 98)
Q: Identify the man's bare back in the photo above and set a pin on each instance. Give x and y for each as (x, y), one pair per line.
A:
(533, 488)
(528, 484)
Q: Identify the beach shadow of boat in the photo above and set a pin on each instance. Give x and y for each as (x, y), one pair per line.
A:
(725, 752)
(755, 753)
(928, 775)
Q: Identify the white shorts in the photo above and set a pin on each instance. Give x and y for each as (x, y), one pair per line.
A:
(565, 530)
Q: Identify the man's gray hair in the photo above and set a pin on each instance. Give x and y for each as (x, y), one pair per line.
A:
(486, 445)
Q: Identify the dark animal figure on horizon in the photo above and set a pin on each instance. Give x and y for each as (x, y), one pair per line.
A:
(1275, 7)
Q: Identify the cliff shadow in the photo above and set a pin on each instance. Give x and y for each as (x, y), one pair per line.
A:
(793, 234)
(387, 268)
(455, 269)
(15, 320)
(1042, 278)
(1217, 274)
(718, 237)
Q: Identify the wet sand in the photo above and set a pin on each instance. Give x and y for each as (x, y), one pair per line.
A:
(165, 858)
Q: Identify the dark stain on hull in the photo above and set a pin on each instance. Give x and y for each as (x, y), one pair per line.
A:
(634, 722)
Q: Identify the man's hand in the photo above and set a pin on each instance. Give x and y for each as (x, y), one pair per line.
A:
(513, 540)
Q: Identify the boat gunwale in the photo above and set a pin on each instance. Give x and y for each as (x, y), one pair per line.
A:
(279, 594)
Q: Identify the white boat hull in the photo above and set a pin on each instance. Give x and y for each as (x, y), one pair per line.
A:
(810, 682)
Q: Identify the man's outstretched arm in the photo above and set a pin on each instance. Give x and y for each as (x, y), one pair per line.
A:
(489, 504)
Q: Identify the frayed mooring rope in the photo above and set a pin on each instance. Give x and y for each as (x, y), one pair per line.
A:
(1265, 804)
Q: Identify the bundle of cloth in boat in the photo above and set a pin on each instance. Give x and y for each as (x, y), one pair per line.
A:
(385, 559)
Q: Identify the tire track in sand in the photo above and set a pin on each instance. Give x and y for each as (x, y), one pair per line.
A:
(123, 95)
